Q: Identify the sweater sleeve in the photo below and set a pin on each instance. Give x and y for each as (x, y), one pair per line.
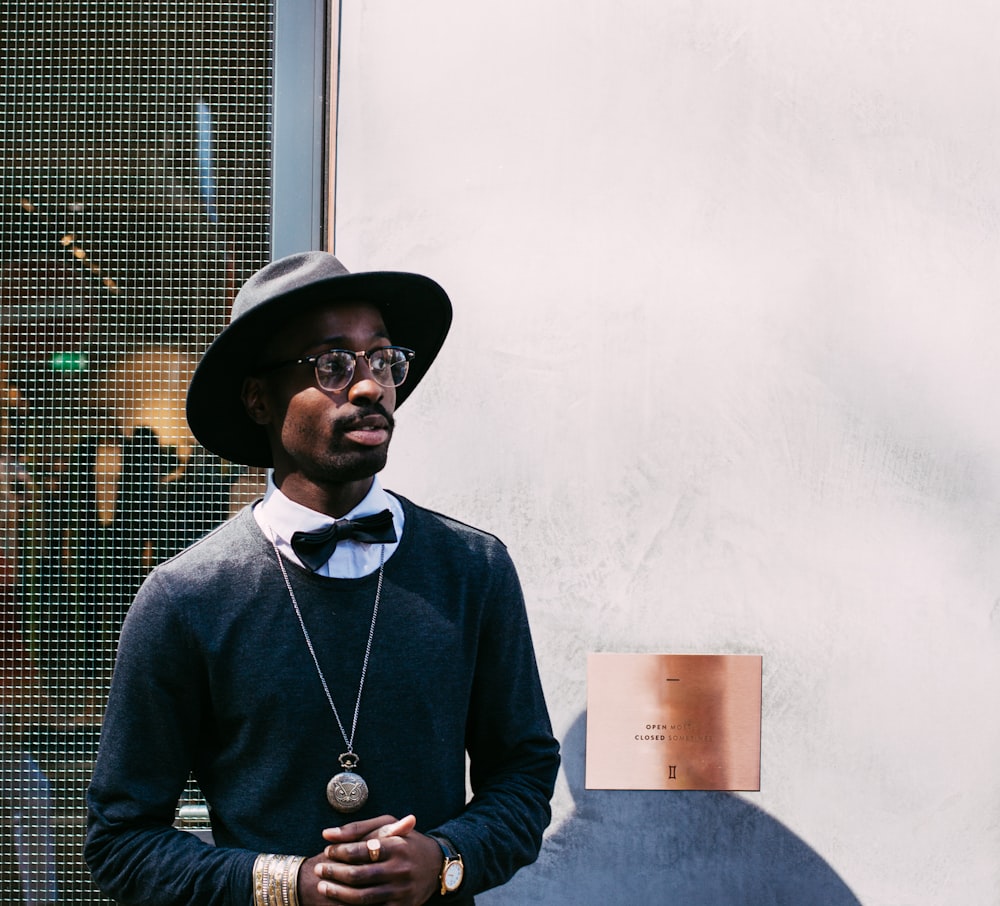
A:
(146, 754)
(513, 756)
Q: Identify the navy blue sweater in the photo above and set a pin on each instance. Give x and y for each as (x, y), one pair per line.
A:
(213, 677)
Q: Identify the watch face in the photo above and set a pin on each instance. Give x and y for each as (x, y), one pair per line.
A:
(453, 875)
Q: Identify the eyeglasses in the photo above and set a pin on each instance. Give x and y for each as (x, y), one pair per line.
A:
(335, 367)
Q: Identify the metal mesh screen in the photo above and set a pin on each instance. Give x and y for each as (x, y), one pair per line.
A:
(135, 160)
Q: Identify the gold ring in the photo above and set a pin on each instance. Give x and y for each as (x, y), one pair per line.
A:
(374, 849)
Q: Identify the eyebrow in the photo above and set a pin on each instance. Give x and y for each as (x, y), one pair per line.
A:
(341, 342)
(335, 342)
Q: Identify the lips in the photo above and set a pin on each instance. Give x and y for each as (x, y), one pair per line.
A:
(368, 431)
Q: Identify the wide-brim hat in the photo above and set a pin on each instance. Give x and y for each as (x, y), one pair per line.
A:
(415, 309)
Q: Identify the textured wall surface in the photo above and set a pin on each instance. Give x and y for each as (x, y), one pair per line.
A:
(722, 376)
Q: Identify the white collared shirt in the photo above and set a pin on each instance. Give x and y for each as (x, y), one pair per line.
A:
(283, 517)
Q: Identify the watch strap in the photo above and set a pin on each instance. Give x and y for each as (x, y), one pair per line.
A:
(447, 847)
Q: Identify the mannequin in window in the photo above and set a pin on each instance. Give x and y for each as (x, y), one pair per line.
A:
(137, 493)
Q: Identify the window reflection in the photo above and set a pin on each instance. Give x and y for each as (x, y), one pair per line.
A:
(138, 199)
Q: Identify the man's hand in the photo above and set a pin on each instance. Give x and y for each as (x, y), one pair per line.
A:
(405, 874)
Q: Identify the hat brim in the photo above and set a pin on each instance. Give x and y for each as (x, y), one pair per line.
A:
(417, 314)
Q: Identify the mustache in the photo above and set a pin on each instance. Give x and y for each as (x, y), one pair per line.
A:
(358, 419)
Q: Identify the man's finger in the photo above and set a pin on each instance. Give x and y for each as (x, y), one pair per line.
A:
(357, 830)
(398, 828)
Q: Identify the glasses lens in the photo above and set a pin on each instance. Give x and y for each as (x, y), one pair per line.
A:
(335, 369)
(389, 365)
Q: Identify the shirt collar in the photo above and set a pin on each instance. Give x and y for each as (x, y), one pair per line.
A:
(284, 517)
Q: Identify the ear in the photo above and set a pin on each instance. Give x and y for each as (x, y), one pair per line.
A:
(255, 400)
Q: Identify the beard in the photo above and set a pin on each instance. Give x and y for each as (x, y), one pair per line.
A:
(342, 460)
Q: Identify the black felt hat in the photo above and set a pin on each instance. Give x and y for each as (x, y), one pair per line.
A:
(416, 312)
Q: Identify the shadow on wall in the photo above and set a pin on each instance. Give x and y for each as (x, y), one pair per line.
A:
(670, 847)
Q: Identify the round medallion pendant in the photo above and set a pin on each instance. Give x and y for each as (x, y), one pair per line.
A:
(347, 792)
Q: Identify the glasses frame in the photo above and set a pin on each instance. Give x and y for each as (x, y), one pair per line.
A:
(356, 354)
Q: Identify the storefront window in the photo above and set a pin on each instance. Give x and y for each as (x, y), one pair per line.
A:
(135, 151)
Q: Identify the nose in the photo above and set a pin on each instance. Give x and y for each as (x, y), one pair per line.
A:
(363, 387)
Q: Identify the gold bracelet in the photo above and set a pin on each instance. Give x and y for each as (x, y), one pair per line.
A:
(261, 881)
(295, 863)
(276, 879)
(276, 865)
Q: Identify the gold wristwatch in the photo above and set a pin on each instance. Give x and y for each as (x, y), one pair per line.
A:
(453, 869)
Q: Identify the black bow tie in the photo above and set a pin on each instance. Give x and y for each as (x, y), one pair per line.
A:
(315, 548)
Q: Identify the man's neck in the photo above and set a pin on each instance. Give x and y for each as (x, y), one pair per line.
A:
(334, 500)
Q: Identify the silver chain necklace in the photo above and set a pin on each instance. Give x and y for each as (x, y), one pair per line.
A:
(346, 791)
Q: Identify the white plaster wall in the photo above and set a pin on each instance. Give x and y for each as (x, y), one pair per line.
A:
(722, 376)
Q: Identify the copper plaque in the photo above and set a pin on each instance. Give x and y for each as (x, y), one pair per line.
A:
(673, 721)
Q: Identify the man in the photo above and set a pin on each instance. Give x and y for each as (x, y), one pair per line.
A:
(324, 701)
